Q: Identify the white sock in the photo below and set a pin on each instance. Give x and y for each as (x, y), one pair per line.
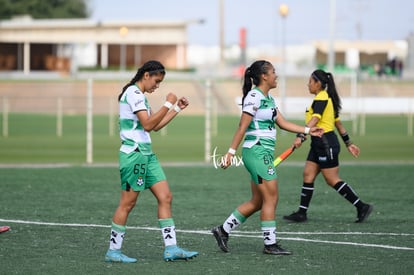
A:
(117, 236)
(231, 223)
(269, 232)
(168, 231)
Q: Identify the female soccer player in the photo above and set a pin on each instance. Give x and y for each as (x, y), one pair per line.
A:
(324, 152)
(139, 166)
(257, 126)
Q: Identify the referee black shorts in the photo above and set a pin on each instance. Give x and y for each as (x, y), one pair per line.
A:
(325, 151)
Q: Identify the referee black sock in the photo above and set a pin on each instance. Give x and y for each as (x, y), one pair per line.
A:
(305, 197)
(346, 191)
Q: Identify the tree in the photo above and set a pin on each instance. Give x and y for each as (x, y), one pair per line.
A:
(44, 9)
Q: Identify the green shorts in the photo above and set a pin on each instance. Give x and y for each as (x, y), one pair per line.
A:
(259, 163)
(139, 171)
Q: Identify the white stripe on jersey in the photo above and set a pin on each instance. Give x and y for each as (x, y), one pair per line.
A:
(263, 110)
(131, 132)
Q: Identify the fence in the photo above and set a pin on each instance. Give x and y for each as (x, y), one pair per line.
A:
(221, 98)
(209, 98)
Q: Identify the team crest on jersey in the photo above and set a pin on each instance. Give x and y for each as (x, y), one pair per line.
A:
(270, 170)
(140, 181)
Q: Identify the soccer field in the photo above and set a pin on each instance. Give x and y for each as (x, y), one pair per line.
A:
(60, 219)
(32, 139)
(60, 216)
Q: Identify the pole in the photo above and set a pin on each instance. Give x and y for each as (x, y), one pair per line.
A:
(362, 122)
(331, 53)
(111, 117)
(221, 31)
(410, 119)
(283, 75)
(5, 117)
(123, 31)
(283, 11)
(89, 123)
(59, 118)
(122, 57)
(354, 96)
(207, 123)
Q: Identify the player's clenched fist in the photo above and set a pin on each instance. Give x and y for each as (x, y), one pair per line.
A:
(183, 103)
(172, 98)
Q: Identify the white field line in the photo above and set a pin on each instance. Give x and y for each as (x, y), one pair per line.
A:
(248, 234)
(334, 242)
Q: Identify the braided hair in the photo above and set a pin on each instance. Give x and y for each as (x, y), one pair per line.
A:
(153, 67)
(328, 84)
(252, 75)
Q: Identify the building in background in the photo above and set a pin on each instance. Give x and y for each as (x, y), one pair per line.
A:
(66, 45)
(28, 45)
(368, 55)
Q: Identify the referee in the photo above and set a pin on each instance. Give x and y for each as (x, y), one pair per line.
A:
(324, 151)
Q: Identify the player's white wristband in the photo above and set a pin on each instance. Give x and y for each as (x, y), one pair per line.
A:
(307, 129)
(177, 109)
(168, 104)
(232, 151)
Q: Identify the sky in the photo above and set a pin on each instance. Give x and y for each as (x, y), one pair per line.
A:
(307, 20)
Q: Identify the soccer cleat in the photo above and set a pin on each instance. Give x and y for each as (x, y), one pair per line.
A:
(364, 212)
(117, 257)
(296, 217)
(173, 252)
(222, 237)
(275, 249)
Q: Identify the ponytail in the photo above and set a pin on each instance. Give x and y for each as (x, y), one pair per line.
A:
(333, 94)
(328, 84)
(252, 75)
(247, 83)
(152, 67)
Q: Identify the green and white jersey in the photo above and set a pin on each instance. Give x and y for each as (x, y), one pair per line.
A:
(131, 132)
(262, 127)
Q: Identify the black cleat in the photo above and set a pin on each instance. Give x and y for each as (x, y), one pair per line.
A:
(296, 217)
(222, 237)
(364, 212)
(275, 249)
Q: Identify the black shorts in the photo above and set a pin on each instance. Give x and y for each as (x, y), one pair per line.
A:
(325, 151)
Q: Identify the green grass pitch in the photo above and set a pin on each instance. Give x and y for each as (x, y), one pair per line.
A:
(60, 219)
(60, 216)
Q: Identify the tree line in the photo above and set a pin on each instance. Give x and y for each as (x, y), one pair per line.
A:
(44, 9)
